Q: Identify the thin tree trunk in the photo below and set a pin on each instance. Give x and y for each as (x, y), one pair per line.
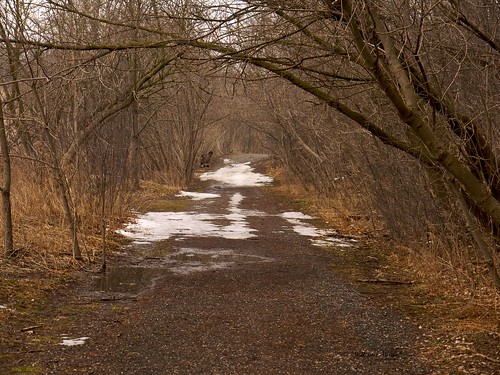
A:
(13, 56)
(134, 147)
(63, 192)
(103, 211)
(5, 189)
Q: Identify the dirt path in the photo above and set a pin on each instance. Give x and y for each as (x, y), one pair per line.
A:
(267, 304)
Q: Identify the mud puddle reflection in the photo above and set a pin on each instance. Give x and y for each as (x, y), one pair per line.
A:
(127, 280)
(142, 276)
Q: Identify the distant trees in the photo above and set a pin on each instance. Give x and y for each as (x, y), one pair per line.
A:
(419, 77)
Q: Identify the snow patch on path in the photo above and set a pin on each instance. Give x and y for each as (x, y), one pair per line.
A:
(73, 342)
(197, 196)
(157, 226)
(320, 237)
(237, 175)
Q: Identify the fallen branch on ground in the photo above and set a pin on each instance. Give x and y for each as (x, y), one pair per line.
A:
(385, 281)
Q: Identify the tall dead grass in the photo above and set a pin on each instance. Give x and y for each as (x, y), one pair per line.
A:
(42, 239)
(350, 213)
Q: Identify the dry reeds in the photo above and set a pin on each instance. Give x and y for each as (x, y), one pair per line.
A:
(42, 239)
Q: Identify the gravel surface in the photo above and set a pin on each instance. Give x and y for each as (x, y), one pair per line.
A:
(264, 305)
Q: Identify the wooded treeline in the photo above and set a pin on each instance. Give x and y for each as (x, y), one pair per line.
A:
(390, 105)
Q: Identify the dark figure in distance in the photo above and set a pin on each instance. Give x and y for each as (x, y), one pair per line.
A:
(205, 159)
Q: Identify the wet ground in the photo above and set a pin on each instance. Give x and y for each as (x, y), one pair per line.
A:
(238, 284)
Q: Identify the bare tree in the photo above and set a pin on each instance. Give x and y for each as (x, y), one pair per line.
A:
(6, 187)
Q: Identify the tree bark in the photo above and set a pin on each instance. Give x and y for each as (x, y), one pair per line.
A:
(5, 189)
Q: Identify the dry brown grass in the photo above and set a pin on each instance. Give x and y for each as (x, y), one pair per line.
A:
(39, 224)
(349, 213)
(41, 234)
(153, 196)
(447, 259)
(462, 285)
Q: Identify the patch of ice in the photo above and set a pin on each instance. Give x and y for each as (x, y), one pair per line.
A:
(336, 242)
(296, 215)
(197, 196)
(321, 237)
(73, 342)
(236, 199)
(157, 226)
(306, 229)
(237, 230)
(239, 213)
(239, 175)
(300, 227)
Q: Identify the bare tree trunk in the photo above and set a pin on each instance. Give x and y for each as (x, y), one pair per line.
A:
(5, 189)
(71, 219)
(134, 146)
(103, 212)
(13, 56)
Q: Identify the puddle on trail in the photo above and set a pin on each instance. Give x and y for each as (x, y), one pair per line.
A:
(184, 261)
(188, 260)
(127, 279)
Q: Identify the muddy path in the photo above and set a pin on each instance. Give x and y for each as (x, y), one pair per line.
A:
(245, 291)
